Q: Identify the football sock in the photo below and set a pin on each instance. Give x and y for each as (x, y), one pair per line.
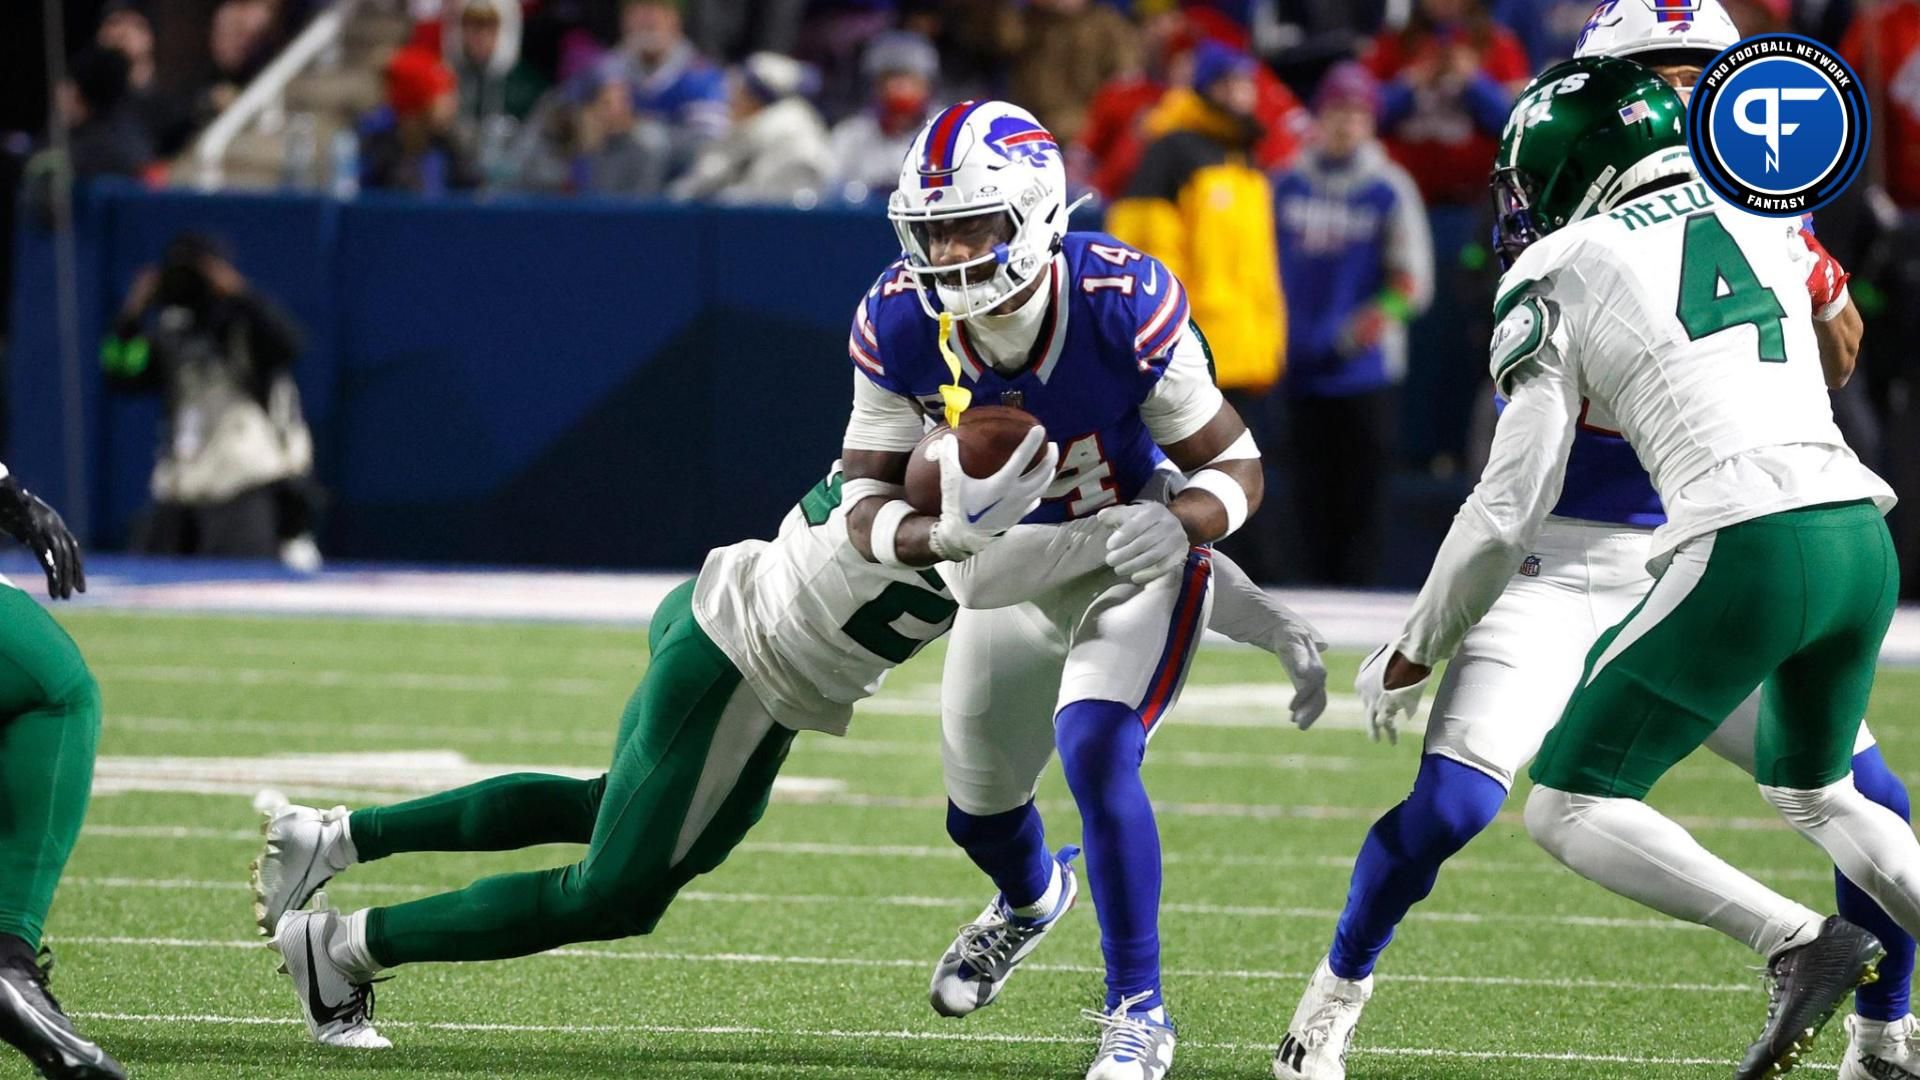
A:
(1050, 899)
(1888, 997)
(1449, 805)
(1629, 847)
(46, 774)
(1101, 745)
(1010, 847)
(501, 814)
(348, 946)
(1867, 842)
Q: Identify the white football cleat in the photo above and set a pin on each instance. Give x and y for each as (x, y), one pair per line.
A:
(1316, 1044)
(1134, 1045)
(337, 1006)
(974, 968)
(305, 848)
(1881, 1051)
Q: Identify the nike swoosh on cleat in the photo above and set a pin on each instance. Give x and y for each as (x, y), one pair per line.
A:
(68, 1040)
(322, 1012)
(973, 518)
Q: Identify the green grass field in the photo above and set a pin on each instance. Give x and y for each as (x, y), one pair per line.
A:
(807, 954)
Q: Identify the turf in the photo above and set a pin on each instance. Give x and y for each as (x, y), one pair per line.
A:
(806, 954)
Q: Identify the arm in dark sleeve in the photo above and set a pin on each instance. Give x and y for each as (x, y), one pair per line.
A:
(272, 333)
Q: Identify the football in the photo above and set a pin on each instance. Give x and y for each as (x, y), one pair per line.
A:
(988, 434)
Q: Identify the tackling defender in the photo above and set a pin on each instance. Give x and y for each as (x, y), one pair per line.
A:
(1634, 293)
(1520, 663)
(49, 729)
(994, 298)
(772, 638)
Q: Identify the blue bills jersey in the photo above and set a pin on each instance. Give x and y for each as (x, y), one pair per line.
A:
(1101, 350)
(1604, 481)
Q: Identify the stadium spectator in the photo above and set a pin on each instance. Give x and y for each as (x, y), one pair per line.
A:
(413, 143)
(673, 84)
(867, 147)
(729, 29)
(776, 150)
(1306, 37)
(125, 29)
(1884, 48)
(1546, 29)
(1358, 262)
(105, 137)
(1057, 53)
(234, 476)
(1114, 136)
(1449, 80)
(1759, 16)
(1200, 205)
(612, 149)
(496, 89)
(238, 46)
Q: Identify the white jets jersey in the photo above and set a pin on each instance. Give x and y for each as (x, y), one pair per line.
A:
(811, 624)
(1686, 326)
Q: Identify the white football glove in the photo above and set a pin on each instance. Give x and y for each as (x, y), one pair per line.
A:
(1145, 541)
(1385, 707)
(1299, 645)
(975, 510)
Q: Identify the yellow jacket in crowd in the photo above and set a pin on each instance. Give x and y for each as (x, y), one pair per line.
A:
(1198, 205)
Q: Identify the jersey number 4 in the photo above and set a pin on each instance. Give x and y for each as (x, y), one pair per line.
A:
(1719, 290)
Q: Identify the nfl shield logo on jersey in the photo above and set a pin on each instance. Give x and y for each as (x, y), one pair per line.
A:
(1530, 567)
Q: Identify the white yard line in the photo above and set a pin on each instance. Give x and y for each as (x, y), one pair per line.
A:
(915, 964)
(841, 1034)
(703, 896)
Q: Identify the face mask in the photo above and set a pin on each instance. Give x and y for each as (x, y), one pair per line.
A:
(897, 104)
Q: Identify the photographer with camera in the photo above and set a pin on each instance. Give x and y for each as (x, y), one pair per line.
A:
(234, 473)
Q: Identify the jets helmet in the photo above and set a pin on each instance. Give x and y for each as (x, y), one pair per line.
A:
(973, 159)
(1657, 32)
(1583, 135)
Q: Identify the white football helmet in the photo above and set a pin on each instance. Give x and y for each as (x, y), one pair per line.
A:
(972, 159)
(1694, 30)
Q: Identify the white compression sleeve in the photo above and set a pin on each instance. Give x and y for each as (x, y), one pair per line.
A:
(881, 419)
(1489, 535)
(1026, 562)
(1185, 398)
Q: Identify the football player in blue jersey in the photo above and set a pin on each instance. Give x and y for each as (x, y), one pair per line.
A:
(995, 300)
(1515, 669)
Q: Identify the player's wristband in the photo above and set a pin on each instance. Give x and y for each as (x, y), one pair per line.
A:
(1228, 491)
(1839, 304)
(886, 532)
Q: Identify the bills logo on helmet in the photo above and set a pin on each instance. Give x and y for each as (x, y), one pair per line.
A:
(1020, 140)
(1593, 21)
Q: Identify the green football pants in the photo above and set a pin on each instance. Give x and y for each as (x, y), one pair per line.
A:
(49, 729)
(692, 770)
(1795, 602)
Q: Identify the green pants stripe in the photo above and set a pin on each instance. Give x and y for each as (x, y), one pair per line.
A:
(1796, 603)
(49, 729)
(693, 766)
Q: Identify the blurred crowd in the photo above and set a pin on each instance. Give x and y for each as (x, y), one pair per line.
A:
(1285, 157)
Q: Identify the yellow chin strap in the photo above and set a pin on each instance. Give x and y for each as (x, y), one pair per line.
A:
(956, 397)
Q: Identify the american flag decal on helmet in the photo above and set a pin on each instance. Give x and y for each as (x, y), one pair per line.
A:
(1635, 112)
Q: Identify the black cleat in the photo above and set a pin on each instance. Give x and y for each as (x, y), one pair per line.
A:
(1805, 984)
(31, 1020)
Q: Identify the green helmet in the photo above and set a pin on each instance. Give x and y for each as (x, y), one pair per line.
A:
(1582, 135)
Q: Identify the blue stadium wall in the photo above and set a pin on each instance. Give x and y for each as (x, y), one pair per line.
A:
(511, 381)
